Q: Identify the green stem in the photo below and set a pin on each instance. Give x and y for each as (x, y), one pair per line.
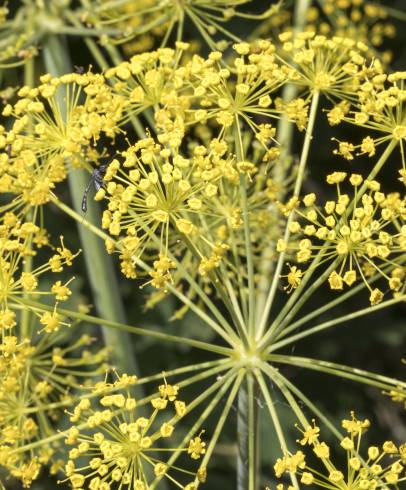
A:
(395, 13)
(190, 380)
(122, 327)
(342, 371)
(284, 134)
(223, 417)
(100, 269)
(298, 186)
(318, 413)
(285, 126)
(84, 32)
(275, 420)
(182, 370)
(90, 43)
(334, 322)
(243, 461)
(247, 234)
(247, 435)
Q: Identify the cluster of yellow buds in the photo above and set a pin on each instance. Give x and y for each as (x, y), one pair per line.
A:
(363, 21)
(35, 379)
(362, 235)
(63, 118)
(120, 446)
(330, 65)
(384, 467)
(379, 108)
(161, 200)
(20, 241)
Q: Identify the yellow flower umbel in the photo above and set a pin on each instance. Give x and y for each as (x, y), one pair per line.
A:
(37, 381)
(362, 234)
(318, 63)
(63, 116)
(241, 86)
(116, 447)
(377, 467)
(162, 201)
(55, 124)
(380, 108)
(19, 243)
(30, 179)
(151, 80)
(360, 20)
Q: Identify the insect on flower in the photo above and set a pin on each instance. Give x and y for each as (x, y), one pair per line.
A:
(96, 179)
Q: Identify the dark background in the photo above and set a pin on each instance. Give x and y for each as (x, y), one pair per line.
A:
(373, 342)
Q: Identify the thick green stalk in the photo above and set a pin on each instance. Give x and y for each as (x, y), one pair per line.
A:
(285, 126)
(242, 437)
(247, 434)
(100, 269)
(247, 419)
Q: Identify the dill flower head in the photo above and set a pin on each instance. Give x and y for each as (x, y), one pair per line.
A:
(329, 65)
(114, 446)
(240, 86)
(161, 198)
(361, 234)
(62, 116)
(353, 19)
(189, 92)
(19, 242)
(373, 468)
(177, 213)
(379, 108)
(30, 179)
(37, 380)
(149, 80)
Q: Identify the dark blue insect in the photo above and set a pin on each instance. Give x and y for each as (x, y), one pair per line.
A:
(97, 180)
